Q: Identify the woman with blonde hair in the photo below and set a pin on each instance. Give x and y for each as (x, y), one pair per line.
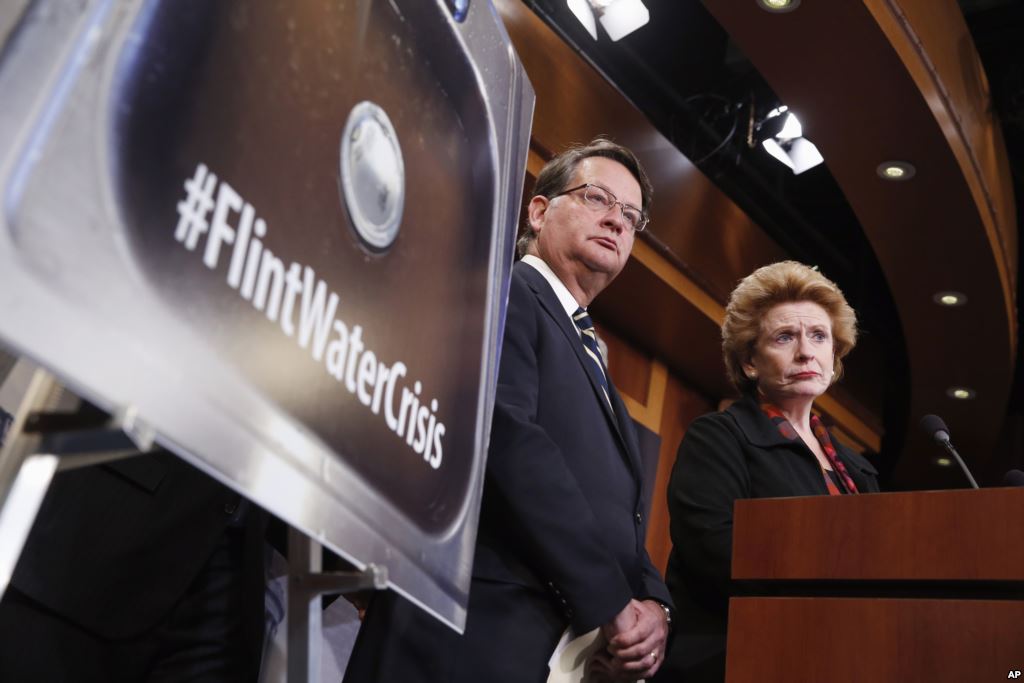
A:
(787, 329)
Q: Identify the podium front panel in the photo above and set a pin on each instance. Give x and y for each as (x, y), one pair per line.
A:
(780, 640)
(962, 535)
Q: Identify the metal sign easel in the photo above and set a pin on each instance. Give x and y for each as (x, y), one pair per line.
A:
(307, 583)
(48, 436)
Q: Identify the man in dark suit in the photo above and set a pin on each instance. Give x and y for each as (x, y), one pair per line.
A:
(560, 548)
(143, 569)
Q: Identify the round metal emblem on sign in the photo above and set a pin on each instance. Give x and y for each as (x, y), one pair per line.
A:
(372, 176)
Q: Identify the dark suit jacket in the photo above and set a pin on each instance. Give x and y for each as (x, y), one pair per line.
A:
(561, 536)
(114, 546)
(734, 454)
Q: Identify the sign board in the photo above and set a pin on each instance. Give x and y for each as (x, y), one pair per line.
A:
(281, 234)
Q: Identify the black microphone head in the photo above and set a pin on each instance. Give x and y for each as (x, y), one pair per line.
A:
(935, 428)
(1013, 478)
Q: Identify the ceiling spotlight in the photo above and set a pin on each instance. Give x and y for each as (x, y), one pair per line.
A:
(950, 298)
(619, 18)
(781, 135)
(961, 393)
(778, 6)
(896, 170)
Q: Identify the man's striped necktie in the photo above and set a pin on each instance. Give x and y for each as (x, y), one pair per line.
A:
(589, 337)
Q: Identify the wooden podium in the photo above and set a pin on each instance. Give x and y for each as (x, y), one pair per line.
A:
(925, 586)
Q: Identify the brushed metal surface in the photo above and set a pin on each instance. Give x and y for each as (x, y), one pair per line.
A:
(148, 146)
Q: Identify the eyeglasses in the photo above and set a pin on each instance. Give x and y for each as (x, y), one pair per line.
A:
(597, 198)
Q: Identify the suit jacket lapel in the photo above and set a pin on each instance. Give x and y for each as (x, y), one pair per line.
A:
(550, 303)
(626, 431)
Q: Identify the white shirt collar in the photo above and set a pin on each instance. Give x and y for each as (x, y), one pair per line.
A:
(561, 291)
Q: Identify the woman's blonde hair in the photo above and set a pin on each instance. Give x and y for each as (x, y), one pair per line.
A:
(767, 287)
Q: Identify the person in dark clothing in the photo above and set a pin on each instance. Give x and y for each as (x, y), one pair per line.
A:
(560, 548)
(142, 569)
(787, 329)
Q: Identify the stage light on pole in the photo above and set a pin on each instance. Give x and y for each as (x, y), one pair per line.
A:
(619, 18)
(791, 129)
(782, 136)
(585, 14)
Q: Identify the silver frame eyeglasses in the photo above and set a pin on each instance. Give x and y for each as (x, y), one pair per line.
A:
(596, 198)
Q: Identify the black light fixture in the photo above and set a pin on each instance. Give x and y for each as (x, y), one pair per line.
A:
(782, 136)
(619, 18)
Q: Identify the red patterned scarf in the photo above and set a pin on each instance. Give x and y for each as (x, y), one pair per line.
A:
(787, 431)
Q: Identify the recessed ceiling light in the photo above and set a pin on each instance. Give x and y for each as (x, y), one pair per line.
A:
(950, 298)
(896, 170)
(779, 6)
(943, 461)
(961, 393)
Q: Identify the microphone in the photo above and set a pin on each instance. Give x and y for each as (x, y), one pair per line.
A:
(1013, 478)
(937, 429)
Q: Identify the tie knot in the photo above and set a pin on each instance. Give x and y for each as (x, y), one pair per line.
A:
(582, 320)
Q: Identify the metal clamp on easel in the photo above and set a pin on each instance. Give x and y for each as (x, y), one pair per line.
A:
(307, 583)
(52, 430)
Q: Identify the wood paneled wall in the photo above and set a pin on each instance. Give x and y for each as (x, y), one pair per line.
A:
(952, 226)
(670, 299)
(665, 404)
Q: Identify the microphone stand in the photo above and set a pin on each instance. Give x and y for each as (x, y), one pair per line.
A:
(952, 451)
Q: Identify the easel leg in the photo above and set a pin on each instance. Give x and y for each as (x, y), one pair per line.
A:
(25, 475)
(304, 613)
(307, 583)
